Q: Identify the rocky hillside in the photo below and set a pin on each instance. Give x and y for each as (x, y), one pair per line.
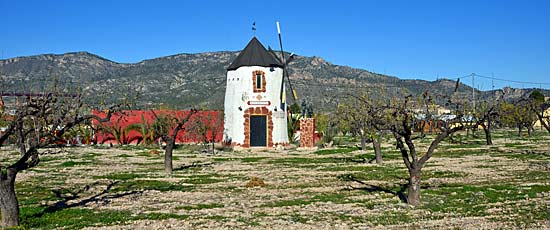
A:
(198, 80)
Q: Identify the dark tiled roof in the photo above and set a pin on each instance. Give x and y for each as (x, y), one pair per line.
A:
(254, 54)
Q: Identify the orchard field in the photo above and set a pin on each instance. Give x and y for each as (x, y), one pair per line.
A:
(464, 186)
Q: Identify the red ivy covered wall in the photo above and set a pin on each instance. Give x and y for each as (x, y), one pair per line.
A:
(121, 120)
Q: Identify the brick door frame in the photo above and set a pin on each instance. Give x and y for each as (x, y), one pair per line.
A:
(257, 111)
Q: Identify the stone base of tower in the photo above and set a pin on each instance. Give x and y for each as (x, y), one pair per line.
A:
(307, 133)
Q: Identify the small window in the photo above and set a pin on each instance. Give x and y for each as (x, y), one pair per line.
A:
(258, 81)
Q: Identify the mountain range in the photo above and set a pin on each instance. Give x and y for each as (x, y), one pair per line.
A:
(183, 81)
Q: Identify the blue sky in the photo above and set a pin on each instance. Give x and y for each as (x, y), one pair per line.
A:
(407, 39)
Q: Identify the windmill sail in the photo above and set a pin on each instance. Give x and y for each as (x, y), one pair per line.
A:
(285, 71)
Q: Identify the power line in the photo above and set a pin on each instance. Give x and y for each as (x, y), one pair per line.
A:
(513, 81)
(462, 78)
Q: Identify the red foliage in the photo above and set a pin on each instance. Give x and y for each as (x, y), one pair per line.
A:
(188, 134)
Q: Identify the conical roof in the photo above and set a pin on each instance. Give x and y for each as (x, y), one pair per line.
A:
(254, 54)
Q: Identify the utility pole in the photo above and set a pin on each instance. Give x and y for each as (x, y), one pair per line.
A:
(473, 93)
(493, 81)
(493, 86)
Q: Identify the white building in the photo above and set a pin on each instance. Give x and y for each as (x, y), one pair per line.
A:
(255, 113)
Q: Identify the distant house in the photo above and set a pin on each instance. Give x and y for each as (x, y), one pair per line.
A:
(440, 115)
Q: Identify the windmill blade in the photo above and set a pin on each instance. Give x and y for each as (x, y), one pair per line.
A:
(274, 54)
(290, 58)
(285, 73)
(285, 63)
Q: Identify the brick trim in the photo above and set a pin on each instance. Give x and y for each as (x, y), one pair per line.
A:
(257, 90)
(257, 111)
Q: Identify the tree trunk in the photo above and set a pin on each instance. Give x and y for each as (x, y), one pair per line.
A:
(21, 140)
(487, 130)
(519, 130)
(529, 130)
(470, 132)
(168, 167)
(376, 146)
(363, 141)
(543, 122)
(213, 147)
(413, 196)
(9, 206)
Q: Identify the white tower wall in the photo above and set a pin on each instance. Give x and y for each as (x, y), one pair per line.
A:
(240, 97)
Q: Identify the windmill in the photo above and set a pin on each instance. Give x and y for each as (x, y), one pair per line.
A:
(285, 69)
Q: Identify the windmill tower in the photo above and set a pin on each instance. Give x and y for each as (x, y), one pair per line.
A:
(255, 113)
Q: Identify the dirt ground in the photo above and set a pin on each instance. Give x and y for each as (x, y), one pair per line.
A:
(468, 186)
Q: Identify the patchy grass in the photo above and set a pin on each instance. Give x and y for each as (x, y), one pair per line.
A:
(295, 161)
(203, 179)
(252, 159)
(336, 150)
(477, 200)
(149, 155)
(76, 218)
(121, 176)
(391, 218)
(201, 206)
(124, 155)
(327, 197)
(250, 222)
(72, 218)
(140, 185)
(386, 173)
(34, 193)
(514, 145)
(222, 159)
(74, 163)
(297, 218)
(474, 144)
(503, 186)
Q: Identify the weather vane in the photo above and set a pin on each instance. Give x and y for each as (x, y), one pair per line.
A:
(254, 28)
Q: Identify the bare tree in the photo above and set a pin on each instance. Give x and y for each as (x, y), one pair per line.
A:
(402, 121)
(519, 114)
(353, 116)
(365, 116)
(167, 127)
(486, 115)
(543, 115)
(540, 108)
(326, 125)
(40, 121)
(204, 127)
